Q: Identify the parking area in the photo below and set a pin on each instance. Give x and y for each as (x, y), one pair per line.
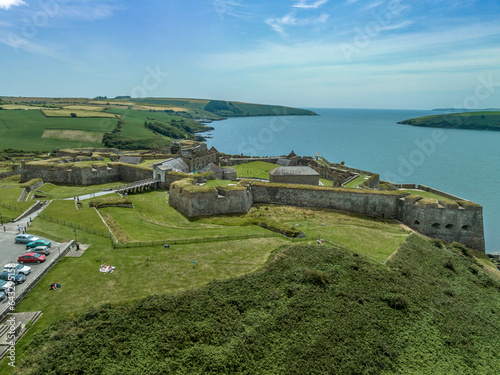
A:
(9, 251)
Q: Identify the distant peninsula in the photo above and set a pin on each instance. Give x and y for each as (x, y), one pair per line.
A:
(123, 122)
(484, 120)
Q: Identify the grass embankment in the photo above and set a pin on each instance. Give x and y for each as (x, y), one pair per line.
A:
(426, 194)
(371, 237)
(10, 191)
(52, 191)
(311, 310)
(356, 182)
(154, 219)
(486, 120)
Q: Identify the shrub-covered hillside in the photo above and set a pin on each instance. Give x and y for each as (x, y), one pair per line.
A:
(312, 309)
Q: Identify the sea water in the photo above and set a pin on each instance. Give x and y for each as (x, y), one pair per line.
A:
(461, 162)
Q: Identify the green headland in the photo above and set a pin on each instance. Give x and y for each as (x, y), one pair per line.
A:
(485, 120)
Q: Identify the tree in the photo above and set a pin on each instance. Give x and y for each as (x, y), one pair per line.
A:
(73, 114)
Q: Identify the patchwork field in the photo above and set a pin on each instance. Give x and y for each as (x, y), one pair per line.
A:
(24, 130)
(73, 135)
(77, 112)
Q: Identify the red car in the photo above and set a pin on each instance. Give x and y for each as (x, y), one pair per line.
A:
(31, 258)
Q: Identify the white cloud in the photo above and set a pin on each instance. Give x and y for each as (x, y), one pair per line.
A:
(6, 4)
(373, 5)
(452, 48)
(398, 26)
(88, 12)
(304, 5)
(290, 19)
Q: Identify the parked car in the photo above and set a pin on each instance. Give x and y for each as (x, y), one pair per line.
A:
(31, 258)
(45, 250)
(6, 286)
(25, 238)
(16, 277)
(38, 243)
(2, 296)
(16, 267)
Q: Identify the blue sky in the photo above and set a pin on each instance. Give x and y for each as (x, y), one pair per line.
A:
(308, 53)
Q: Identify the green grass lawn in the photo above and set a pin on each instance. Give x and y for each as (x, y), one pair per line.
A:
(255, 169)
(128, 219)
(61, 192)
(374, 238)
(425, 194)
(65, 211)
(326, 182)
(10, 191)
(219, 182)
(356, 182)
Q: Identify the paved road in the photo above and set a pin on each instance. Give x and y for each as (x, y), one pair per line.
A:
(9, 251)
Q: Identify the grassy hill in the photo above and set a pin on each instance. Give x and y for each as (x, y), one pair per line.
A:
(486, 120)
(42, 124)
(312, 309)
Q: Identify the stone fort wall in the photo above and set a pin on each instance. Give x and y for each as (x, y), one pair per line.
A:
(460, 221)
(68, 174)
(218, 201)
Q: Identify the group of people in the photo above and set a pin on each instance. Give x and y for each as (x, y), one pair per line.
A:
(106, 269)
(55, 286)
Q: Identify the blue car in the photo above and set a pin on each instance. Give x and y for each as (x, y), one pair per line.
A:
(16, 277)
(38, 243)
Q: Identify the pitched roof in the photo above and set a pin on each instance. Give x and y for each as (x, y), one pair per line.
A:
(130, 159)
(229, 170)
(293, 171)
(283, 162)
(177, 165)
(211, 168)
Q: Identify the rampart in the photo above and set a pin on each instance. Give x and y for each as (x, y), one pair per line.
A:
(84, 174)
(194, 201)
(460, 221)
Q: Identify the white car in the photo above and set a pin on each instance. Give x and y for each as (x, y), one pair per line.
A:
(16, 267)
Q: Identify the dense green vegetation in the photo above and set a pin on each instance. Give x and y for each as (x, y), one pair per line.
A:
(487, 120)
(312, 309)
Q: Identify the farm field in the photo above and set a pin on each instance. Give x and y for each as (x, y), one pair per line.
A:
(78, 112)
(21, 129)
